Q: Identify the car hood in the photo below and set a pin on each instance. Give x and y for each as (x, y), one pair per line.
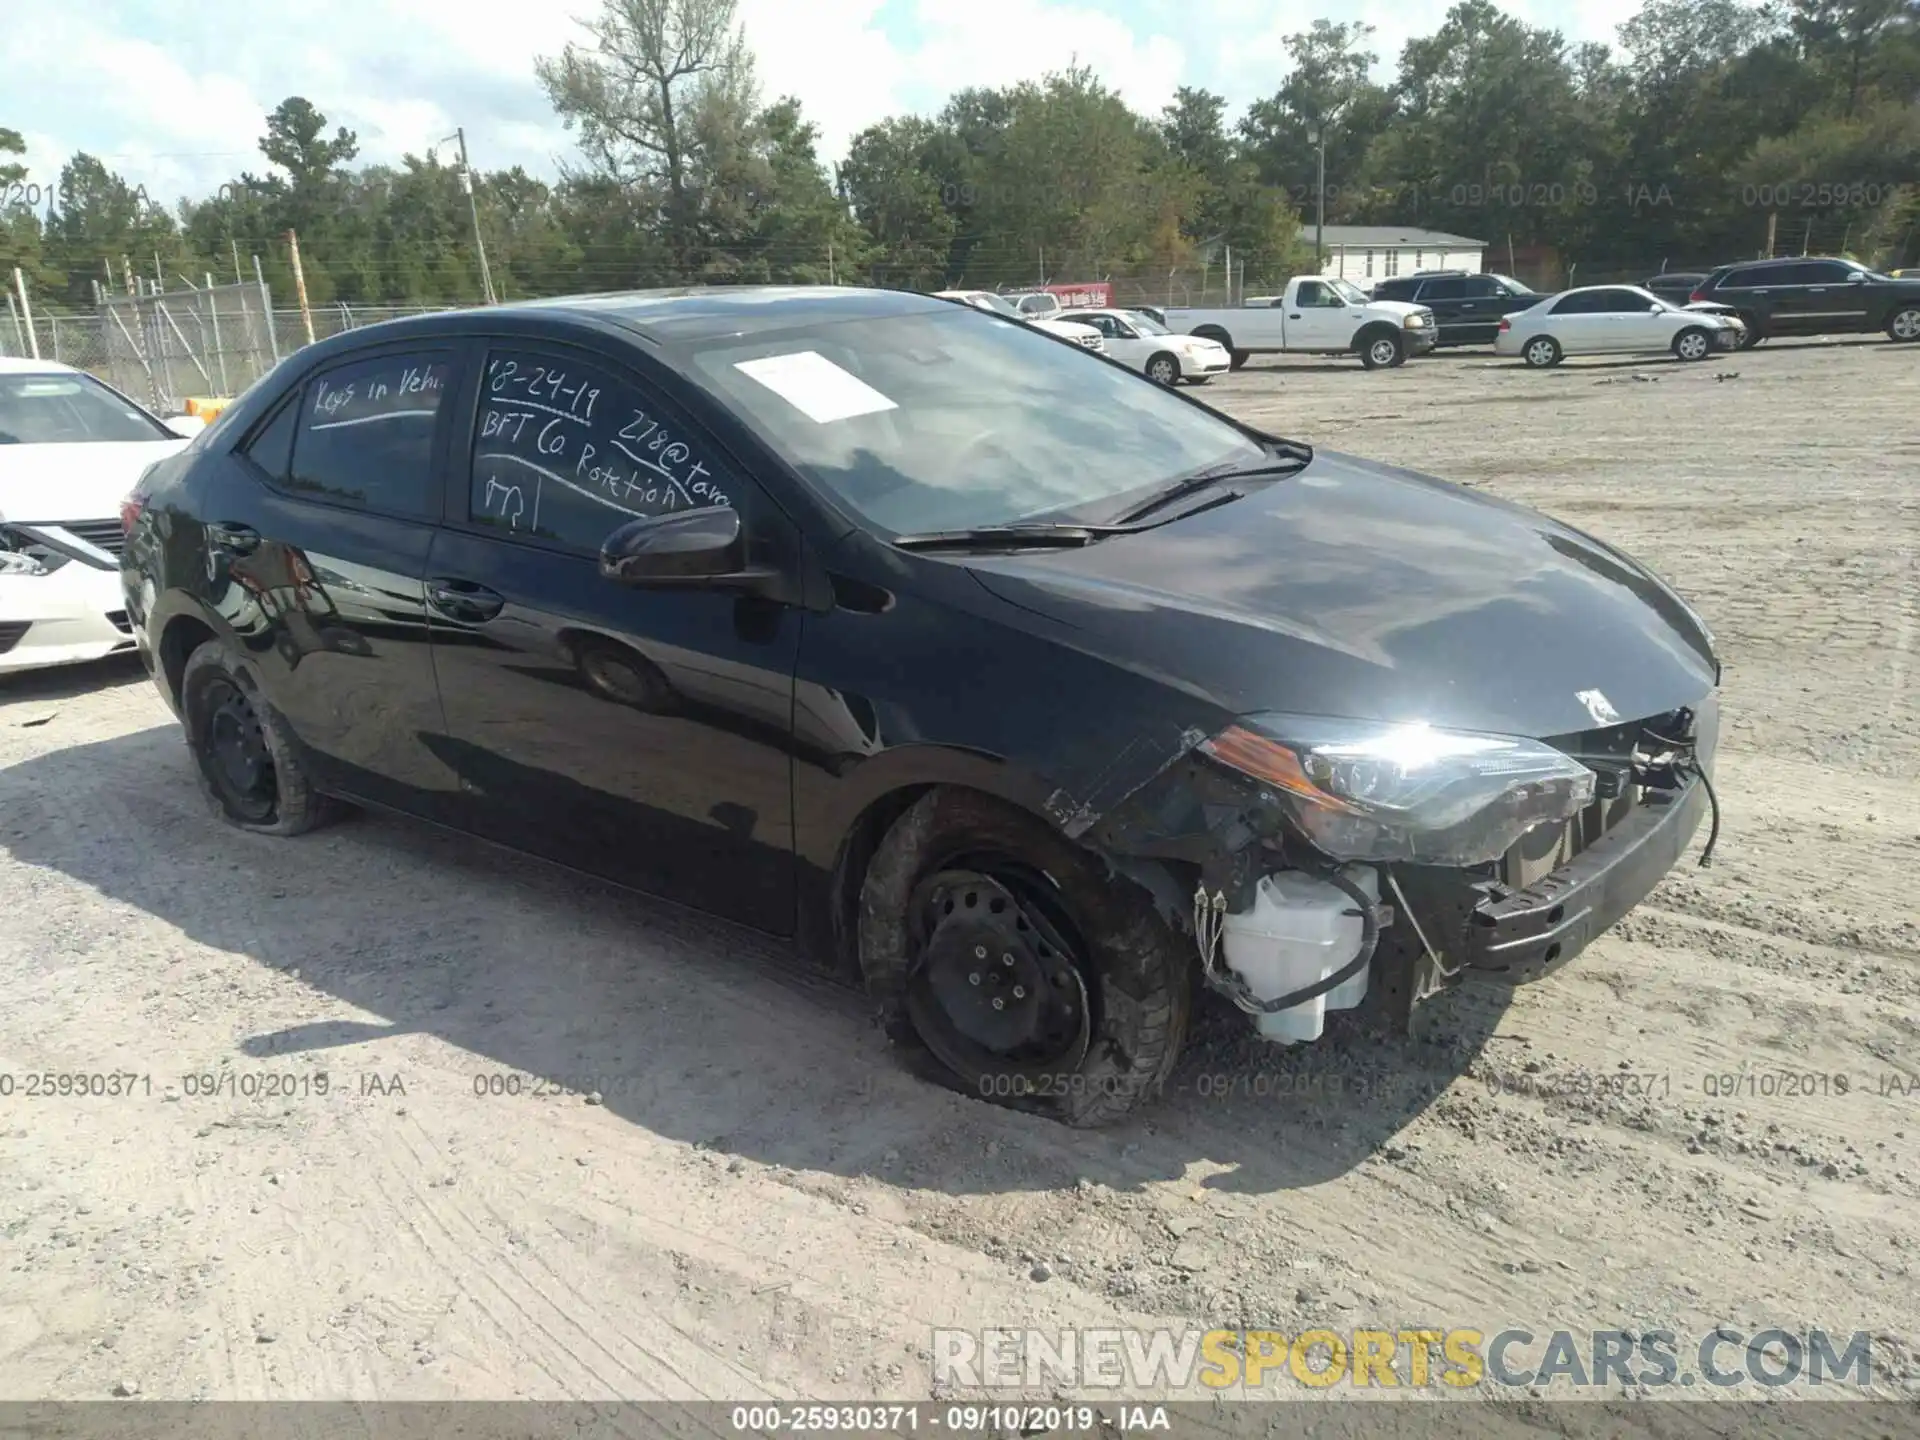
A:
(1359, 590)
(74, 482)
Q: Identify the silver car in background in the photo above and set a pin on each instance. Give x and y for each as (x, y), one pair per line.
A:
(1613, 320)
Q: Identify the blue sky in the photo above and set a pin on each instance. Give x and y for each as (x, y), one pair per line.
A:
(177, 105)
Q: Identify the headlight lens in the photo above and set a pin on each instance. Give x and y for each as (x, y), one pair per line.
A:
(1416, 322)
(1366, 791)
(15, 562)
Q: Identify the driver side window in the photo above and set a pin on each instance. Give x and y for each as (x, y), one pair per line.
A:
(567, 449)
(1313, 295)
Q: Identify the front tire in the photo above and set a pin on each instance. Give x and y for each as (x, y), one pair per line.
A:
(1542, 353)
(1903, 326)
(1382, 351)
(1751, 335)
(1163, 369)
(1692, 344)
(247, 768)
(1005, 955)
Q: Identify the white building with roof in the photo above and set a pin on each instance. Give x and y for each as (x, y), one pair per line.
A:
(1368, 254)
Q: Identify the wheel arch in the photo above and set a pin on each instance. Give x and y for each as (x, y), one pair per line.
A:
(1371, 331)
(180, 635)
(1217, 333)
(883, 799)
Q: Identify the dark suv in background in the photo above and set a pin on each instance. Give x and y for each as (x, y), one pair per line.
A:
(1466, 306)
(1813, 295)
(1675, 285)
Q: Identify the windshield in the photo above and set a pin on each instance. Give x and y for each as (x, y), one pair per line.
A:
(1347, 291)
(57, 409)
(945, 421)
(1146, 324)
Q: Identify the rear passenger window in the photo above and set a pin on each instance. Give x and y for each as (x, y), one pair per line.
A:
(272, 446)
(366, 433)
(570, 451)
(1443, 290)
(1735, 280)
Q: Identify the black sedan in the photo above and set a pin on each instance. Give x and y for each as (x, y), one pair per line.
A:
(1035, 695)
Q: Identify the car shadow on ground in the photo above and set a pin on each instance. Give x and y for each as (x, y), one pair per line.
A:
(65, 682)
(689, 1027)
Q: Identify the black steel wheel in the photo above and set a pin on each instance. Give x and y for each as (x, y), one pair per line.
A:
(248, 772)
(1008, 956)
(998, 990)
(238, 761)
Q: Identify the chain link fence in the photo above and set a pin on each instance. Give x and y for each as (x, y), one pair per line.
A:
(163, 348)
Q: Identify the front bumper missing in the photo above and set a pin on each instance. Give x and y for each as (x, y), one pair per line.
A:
(1522, 934)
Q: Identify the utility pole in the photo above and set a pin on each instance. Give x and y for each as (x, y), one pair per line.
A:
(237, 278)
(1318, 136)
(26, 310)
(473, 208)
(266, 308)
(300, 284)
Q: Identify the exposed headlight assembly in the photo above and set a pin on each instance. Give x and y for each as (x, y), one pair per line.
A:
(1365, 791)
(16, 562)
(20, 554)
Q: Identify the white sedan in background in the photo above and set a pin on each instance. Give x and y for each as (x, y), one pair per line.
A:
(1085, 336)
(1612, 320)
(1137, 339)
(70, 450)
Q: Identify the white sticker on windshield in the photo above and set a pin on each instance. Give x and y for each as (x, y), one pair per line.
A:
(815, 386)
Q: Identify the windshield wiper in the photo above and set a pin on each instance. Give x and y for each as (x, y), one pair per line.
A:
(1296, 458)
(1008, 537)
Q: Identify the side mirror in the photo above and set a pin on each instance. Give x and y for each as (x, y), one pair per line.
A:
(690, 547)
(186, 426)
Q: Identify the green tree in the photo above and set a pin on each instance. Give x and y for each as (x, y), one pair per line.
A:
(891, 182)
(659, 101)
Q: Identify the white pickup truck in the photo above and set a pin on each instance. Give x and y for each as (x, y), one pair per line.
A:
(1315, 316)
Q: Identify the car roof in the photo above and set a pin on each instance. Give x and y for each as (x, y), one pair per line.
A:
(16, 365)
(675, 316)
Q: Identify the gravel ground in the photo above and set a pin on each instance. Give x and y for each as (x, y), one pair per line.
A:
(1710, 1119)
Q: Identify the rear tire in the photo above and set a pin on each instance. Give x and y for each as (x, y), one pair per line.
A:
(244, 760)
(1542, 352)
(1903, 326)
(1751, 335)
(1237, 359)
(962, 877)
(1692, 344)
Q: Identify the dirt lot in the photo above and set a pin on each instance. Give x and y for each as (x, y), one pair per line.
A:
(761, 1204)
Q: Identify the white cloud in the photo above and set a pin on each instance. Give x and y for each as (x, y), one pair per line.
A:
(179, 108)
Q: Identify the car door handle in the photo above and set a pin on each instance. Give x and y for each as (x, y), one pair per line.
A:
(1817, 290)
(1293, 317)
(232, 538)
(464, 600)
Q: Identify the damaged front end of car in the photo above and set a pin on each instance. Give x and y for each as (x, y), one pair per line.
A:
(1317, 861)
